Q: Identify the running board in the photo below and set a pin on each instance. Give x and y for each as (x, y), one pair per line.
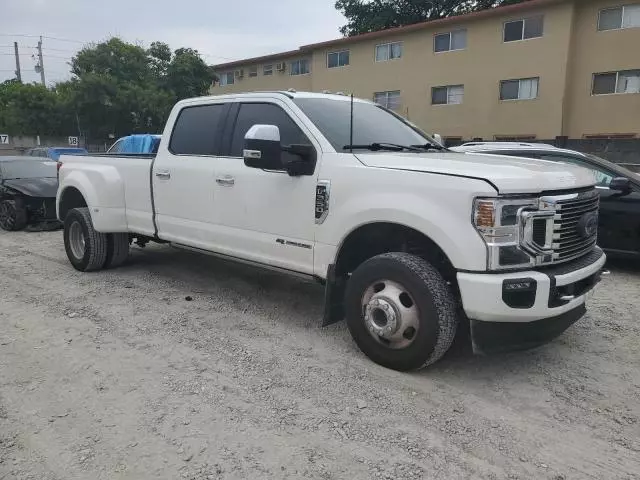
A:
(264, 266)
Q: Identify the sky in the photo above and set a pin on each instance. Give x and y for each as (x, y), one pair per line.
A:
(221, 30)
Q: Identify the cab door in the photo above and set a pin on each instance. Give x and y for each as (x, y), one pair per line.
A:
(184, 173)
(266, 216)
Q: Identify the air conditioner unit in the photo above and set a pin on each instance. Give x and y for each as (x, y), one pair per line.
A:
(239, 73)
(281, 67)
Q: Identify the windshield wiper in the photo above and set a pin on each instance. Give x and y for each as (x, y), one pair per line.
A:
(376, 147)
(430, 146)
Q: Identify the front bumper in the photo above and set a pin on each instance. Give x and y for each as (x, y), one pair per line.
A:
(497, 337)
(522, 309)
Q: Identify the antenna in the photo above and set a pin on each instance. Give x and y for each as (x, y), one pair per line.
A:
(351, 126)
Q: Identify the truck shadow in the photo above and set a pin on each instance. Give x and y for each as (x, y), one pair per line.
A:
(301, 306)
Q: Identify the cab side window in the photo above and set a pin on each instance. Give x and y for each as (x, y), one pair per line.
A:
(197, 129)
(251, 114)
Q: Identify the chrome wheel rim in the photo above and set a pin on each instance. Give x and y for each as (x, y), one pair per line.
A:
(76, 240)
(390, 314)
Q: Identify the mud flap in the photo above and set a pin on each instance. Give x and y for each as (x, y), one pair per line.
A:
(333, 298)
(499, 337)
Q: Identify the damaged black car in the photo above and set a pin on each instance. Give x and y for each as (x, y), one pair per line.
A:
(28, 189)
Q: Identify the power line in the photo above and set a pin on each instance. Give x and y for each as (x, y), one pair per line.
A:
(43, 36)
(64, 39)
(59, 50)
(34, 54)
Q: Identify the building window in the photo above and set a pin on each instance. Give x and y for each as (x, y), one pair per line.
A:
(448, 95)
(523, 29)
(514, 138)
(227, 78)
(267, 70)
(390, 100)
(338, 59)
(388, 51)
(253, 71)
(627, 81)
(446, 42)
(522, 89)
(627, 16)
(300, 67)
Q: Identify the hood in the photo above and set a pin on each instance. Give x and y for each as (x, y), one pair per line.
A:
(507, 174)
(34, 187)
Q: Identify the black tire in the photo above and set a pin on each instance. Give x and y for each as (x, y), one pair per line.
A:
(437, 310)
(95, 249)
(13, 215)
(117, 249)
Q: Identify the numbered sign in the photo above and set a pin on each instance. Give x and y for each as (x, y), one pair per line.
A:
(73, 141)
(4, 139)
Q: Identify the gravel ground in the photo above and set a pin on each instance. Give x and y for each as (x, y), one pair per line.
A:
(118, 375)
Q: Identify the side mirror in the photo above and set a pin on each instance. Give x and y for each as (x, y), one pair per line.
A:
(620, 184)
(262, 147)
(438, 138)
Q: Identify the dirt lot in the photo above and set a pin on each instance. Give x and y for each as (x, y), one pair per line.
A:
(117, 375)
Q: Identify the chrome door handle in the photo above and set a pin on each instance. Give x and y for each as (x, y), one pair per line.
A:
(226, 181)
(164, 175)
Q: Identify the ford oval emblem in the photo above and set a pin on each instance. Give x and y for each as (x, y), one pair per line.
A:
(588, 225)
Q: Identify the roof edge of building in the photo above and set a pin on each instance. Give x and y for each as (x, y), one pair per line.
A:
(490, 12)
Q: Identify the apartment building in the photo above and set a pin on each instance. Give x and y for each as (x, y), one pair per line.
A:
(536, 70)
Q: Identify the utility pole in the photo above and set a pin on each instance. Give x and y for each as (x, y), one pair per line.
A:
(18, 74)
(41, 65)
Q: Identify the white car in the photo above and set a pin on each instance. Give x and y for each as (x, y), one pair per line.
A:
(408, 238)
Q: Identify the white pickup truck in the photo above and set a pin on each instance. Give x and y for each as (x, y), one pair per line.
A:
(408, 238)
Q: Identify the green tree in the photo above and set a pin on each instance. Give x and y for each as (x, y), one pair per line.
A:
(118, 88)
(187, 75)
(160, 57)
(365, 16)
(31, 109)
(122, 88)
(123, 61)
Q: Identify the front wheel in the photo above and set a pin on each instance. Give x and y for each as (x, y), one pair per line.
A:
(400, 311)
(86, 248)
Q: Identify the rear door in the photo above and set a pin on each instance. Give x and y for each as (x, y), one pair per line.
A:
(184, 173)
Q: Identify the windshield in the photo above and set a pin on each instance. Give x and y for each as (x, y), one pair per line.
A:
(371, 123)
(619, 169)
(15, 169)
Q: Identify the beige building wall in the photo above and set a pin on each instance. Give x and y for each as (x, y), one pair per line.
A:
(598, 52)
(564, 59)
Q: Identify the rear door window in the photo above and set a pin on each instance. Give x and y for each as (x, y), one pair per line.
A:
(197, 130)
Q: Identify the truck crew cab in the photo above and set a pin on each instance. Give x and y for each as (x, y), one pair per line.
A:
(408, 238)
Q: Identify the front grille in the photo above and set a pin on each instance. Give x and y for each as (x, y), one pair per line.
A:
(564, 227)
(570, 240)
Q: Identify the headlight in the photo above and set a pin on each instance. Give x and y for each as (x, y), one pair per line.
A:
(497, 221)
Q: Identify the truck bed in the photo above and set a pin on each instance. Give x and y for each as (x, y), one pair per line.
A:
(121, 189)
